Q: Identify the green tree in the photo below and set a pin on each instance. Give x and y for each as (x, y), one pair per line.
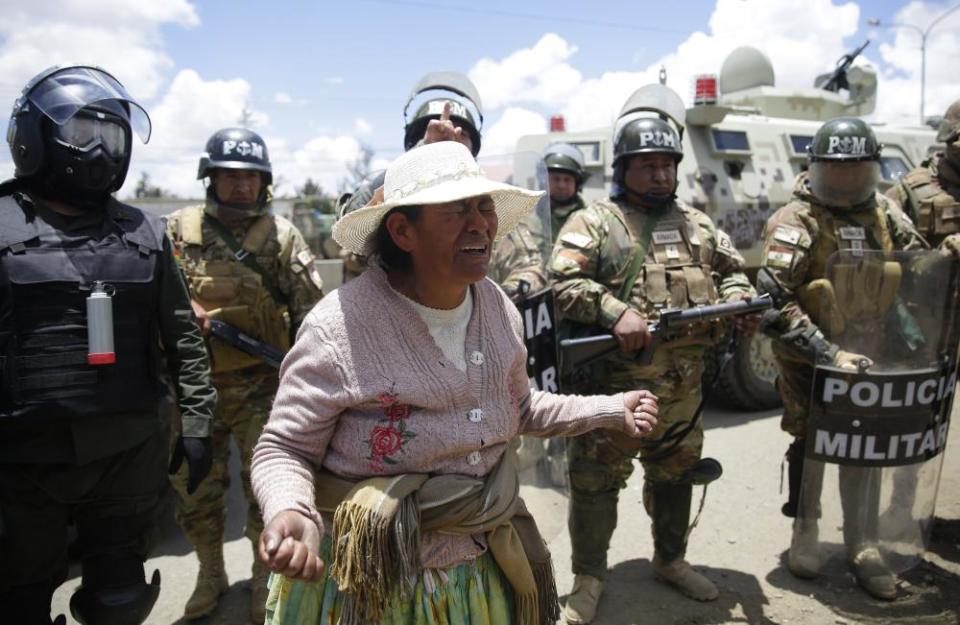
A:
(146, 190)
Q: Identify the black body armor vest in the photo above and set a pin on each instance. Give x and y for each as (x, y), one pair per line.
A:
(45, 278)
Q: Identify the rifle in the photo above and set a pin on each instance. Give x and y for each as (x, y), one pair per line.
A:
(577, 353)
(838, 79)
(246, 343)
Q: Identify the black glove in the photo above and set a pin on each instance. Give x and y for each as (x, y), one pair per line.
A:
(199, 455)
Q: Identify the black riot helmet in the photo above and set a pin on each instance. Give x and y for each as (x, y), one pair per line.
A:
(848, 139)
(236, 148)
(646, 135)
(427, 100)
(568, 158)
(70, 133)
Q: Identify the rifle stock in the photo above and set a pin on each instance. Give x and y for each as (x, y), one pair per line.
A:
(578, 353)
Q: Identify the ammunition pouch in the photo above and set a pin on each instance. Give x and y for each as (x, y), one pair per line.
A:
(819, 300)
(867, 288)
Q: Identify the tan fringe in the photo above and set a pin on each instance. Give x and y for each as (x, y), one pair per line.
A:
(549, 603)
(376, 558)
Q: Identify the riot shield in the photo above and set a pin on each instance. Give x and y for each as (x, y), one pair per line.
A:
(542, 462)
(878, 418)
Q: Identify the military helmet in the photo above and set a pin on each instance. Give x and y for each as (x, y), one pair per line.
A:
(74, 123)
(949, 130)
(432, 93)
(568, 158)
(235, 148)
(848, 139)
(350, 202)
(646, 135)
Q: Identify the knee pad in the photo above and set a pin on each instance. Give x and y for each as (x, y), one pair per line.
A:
(125, 605)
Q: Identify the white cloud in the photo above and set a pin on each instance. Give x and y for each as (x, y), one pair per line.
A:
(800, 45)
(538, 74)
(333, 80)
(190, 111)
(501, 137)
(362, 126)
(123, 36)
(324, 159)
(899, 90)
(281, 97)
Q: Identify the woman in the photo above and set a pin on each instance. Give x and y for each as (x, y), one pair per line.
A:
(403, 393)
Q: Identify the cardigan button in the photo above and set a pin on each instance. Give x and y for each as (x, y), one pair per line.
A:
(476, 358)
(475, 415)
(474, 457)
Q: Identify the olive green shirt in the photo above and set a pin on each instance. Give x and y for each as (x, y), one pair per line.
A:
(81, 441)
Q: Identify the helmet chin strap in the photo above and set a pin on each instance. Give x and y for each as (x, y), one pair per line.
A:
(652, 200)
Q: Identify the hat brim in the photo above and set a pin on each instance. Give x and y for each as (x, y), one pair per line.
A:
(355, 230)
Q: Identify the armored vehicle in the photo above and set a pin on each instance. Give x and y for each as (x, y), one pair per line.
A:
(745, 141)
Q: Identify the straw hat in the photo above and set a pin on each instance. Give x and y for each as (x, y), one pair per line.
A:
(433, 174)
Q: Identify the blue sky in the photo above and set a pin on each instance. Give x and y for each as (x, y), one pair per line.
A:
(321, 78)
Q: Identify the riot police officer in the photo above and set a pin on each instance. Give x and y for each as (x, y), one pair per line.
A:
(567, 173)
(930, 193)
(616, 265)
(90, 300)
(254, 271)
(835, 207)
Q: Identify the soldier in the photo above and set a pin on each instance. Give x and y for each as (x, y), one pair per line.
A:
(835, 207)
(518, 257)
(253, 270)
(83, 440)
(930, 194)
(617, 264)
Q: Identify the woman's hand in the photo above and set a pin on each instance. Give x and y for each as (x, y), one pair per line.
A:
(639, 413)
(289, 545)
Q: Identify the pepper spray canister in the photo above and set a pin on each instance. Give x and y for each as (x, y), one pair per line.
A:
(100, 325)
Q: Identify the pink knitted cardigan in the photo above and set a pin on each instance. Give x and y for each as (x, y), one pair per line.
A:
(365, 391)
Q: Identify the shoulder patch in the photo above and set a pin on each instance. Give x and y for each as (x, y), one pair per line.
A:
(724, 242)
(779, 257)
(305, 258)
(577, 239)
(788, 235)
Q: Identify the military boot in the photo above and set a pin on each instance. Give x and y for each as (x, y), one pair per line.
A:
(803, 559)
(681, 576)
(258, 590)
(211, 583)
(668, 505)
(873, 574)
(582, 603)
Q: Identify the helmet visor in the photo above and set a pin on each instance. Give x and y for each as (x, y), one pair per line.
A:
(844, 184)
(63, 93)
(85, 133)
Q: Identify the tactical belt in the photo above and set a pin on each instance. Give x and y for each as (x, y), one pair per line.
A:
(246, 258)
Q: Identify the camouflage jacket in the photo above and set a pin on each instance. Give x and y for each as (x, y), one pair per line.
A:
(520, 254)
(800, 238)
(689, 262)
(930, 196)
(270, 309)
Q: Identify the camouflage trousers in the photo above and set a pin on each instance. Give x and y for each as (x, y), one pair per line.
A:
(601, 461)
(243, 408)
(794, 383)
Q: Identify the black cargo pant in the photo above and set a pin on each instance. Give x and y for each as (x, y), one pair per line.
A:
(112, 502)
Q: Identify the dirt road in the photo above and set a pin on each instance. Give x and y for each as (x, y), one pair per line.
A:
(740, 544)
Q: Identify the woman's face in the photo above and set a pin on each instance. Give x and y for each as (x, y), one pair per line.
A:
(450, 243)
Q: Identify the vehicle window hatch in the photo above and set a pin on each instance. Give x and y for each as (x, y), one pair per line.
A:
(734, 141)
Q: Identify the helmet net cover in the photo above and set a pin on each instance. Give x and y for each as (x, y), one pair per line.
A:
(844, 184)
(64, 92)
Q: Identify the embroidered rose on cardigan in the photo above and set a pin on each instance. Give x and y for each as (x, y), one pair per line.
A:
(385, 441)
(389, 439)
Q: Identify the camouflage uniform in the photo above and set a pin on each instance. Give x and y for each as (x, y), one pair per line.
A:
(518, 256)
(688, 262)
(235, 293)
(930, 196)
(797, 242)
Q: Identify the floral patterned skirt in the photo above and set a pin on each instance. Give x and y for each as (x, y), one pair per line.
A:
(474, 593)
